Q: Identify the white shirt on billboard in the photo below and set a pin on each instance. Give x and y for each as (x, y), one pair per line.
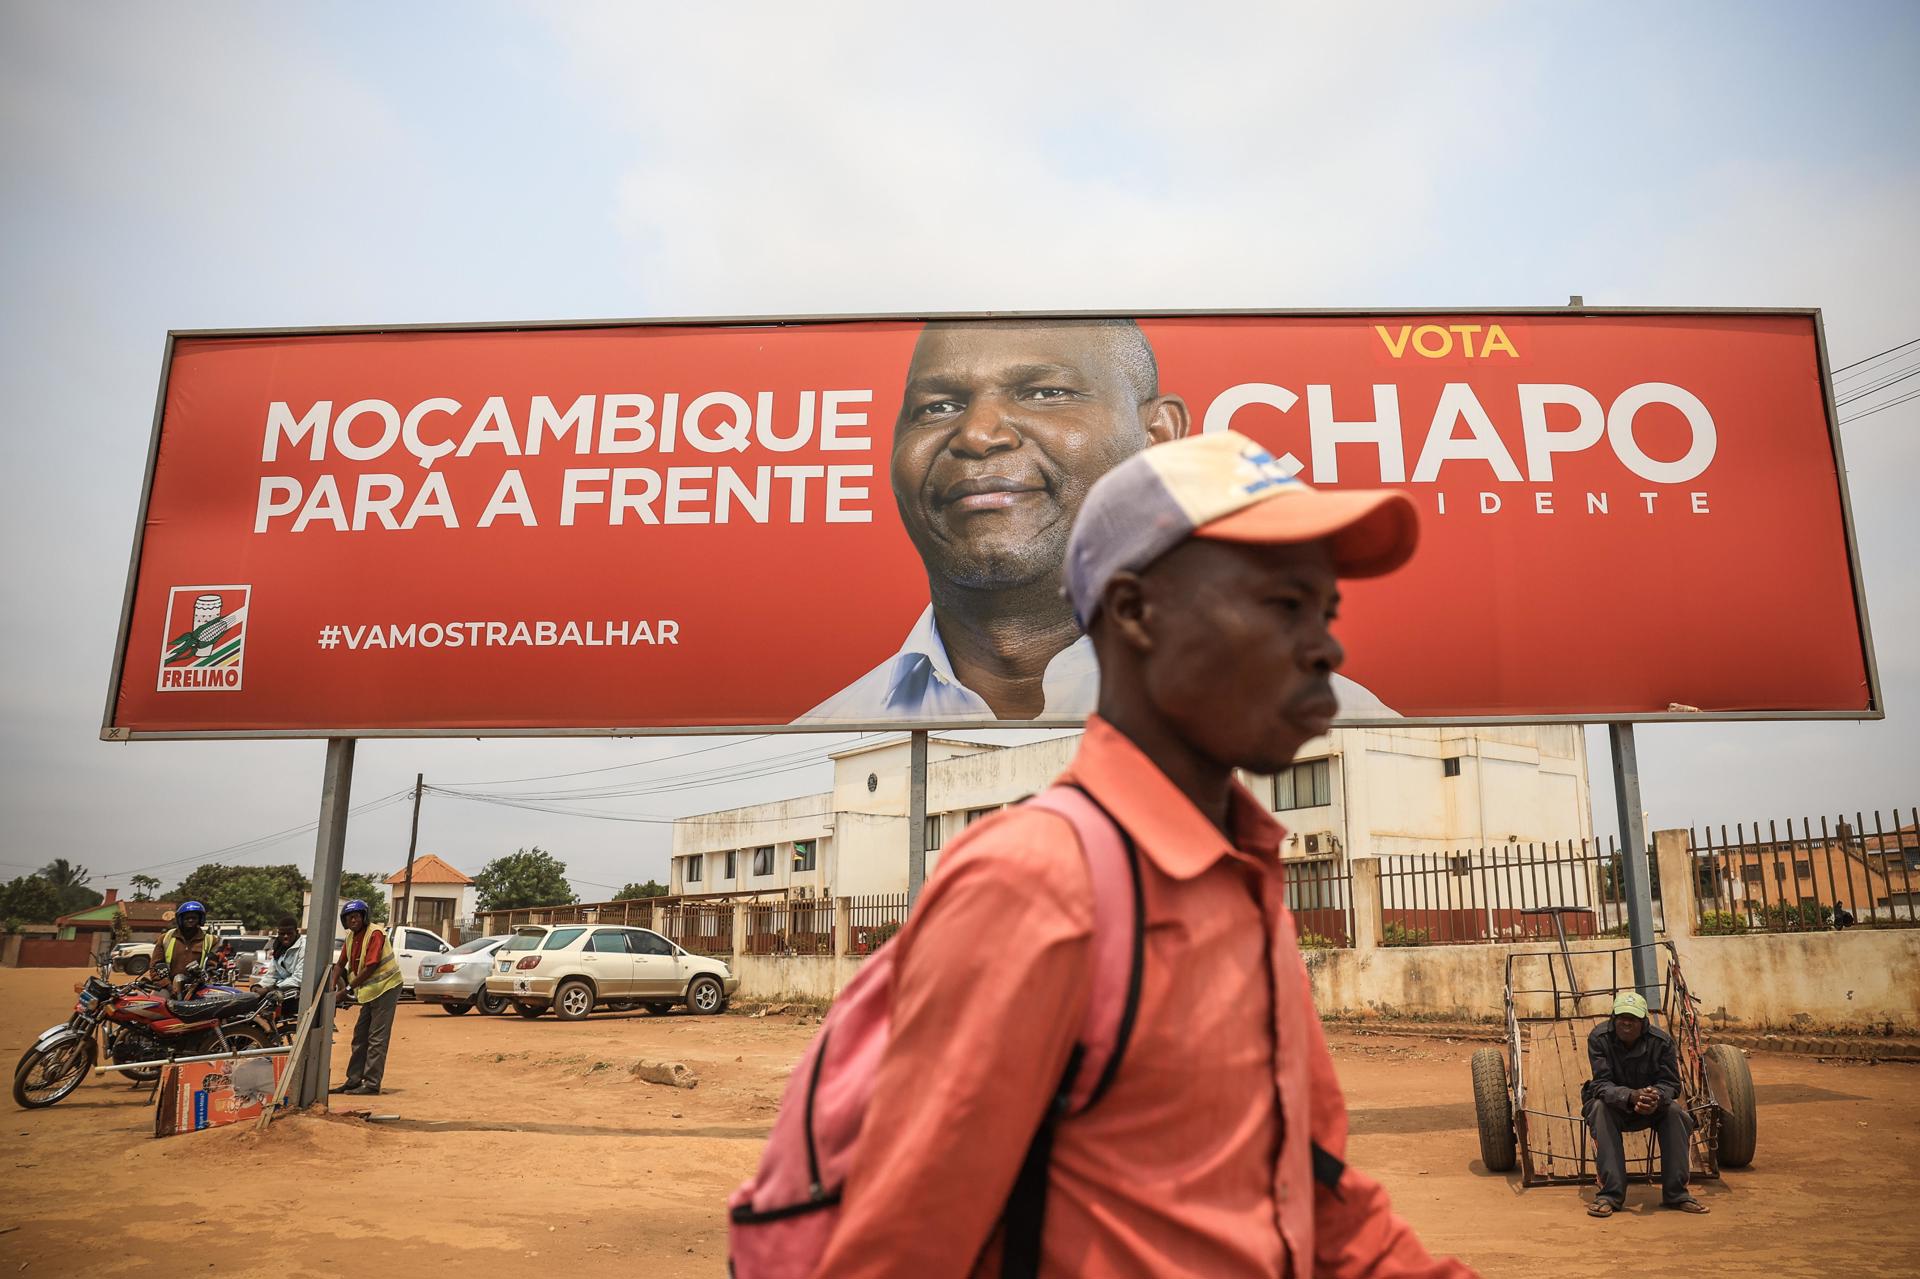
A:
(918, 683)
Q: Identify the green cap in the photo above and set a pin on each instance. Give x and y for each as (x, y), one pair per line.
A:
(1630, 1002)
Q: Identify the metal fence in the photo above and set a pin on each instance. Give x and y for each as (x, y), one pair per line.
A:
(1509, 892)
(1320, 895)
(705, 928)
(794, 926)
(872, 921)
(1842, 873)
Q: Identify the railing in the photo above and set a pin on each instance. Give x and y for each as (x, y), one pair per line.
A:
(1320, 895)
(1846, 872)
(705, 928)
(793, 926)
(872, 921)
(1509, 892)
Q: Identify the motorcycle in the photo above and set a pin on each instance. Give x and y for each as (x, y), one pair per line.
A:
(136, 1023)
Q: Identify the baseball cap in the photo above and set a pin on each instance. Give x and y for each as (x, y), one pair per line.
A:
(1223, 486)
(1631, 1002)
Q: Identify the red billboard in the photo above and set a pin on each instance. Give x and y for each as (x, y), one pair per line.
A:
(657, 527)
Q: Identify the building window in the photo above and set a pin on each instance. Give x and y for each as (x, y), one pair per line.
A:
(763, 860)
(733, 864)
(1803, 870)
(804, 851)
(1450, 767)
(1459, 864)
(1780, 872)
(695, 867)
(933, 831)
(979, 814)
(1751, 874)
(1307, 785)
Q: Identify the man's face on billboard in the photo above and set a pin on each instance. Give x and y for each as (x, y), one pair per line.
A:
(1002, 431)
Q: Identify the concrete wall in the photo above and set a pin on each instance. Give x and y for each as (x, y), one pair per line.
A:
(1855, 980)
(814, 979)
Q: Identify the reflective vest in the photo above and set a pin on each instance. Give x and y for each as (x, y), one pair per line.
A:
(168, 938)
(370, 981)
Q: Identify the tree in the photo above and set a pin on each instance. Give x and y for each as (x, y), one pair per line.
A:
(71, 883)
(258, 896)
(367, 889)
(144, 887)
(529, 877)
(30, 899)
(632, 892)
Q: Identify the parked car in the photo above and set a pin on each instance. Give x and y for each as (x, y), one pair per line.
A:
(251, 952)
(575, 969)
(457, 980)
(131, 957)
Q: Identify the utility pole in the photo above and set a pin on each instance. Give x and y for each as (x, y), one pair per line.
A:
(413, 844)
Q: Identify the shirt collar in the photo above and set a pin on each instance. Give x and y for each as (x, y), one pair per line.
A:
(1174, 834)
(1069, 684)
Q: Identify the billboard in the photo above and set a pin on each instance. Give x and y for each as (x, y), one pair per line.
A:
(858, 522)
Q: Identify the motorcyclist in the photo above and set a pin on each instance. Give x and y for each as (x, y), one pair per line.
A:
(367, 966)
(186, 945)
(289, 957)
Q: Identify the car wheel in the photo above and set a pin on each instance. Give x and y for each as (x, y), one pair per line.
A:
(659, 1009)
(621, 1005)
(529, 1011)
(135, 965)
(455, 1010)
(490, 1005)
(573, 1000)
(705, 995)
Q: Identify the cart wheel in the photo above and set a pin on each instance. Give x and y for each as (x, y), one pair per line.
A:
(1730, 1084)
(1493, 1107)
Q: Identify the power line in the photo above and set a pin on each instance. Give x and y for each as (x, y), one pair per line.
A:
(1869, 412)
(1869, 359)
(259, 842)
(512, 781)
(1882, 384)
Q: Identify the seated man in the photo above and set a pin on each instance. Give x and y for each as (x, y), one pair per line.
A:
(1635, 1086)
(288, 963)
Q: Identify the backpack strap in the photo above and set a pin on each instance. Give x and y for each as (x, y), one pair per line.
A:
(1119, 955)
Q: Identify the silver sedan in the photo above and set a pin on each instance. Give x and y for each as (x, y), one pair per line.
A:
(457, 980)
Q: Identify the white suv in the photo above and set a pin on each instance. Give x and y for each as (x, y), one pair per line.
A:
(574, 969)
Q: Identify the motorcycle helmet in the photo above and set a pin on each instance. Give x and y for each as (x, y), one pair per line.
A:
(191, 908)
(350, 907)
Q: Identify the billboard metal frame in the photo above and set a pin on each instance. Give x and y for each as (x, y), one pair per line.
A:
(111, 732)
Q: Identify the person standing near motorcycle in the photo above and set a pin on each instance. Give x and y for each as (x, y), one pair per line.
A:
(187, 944)
(367, 966)
(289, 961)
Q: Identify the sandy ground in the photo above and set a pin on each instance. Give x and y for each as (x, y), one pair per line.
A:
(527, 1145)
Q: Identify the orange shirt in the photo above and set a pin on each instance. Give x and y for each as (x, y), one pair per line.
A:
(1196, 1162)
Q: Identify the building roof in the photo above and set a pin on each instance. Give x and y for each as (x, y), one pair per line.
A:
(428, 869)
(137, 913)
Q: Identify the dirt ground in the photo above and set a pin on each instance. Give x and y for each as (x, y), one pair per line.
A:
(524, 1145)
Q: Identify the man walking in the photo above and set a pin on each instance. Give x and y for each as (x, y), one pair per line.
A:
(1208, 581)
(1635, 1086)
(367, 967)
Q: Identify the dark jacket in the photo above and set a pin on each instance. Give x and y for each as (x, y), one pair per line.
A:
(1619, 1070)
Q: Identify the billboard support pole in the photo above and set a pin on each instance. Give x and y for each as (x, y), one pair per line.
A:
(330, 845)
(1636, 875)
(916, 817)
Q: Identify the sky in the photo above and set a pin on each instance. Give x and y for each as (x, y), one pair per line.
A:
(245, 165)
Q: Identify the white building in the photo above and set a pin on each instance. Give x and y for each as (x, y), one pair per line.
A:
(1356, 792)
